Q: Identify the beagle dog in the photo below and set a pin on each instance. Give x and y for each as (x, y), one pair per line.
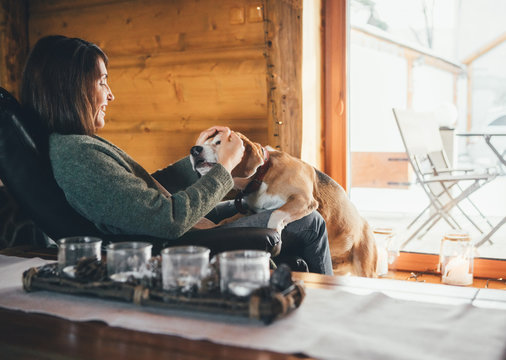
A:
(268, 179)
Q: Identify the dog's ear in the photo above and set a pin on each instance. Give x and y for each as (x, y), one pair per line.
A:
(253, 158)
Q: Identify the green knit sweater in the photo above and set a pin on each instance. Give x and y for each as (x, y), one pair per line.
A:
(110, 189)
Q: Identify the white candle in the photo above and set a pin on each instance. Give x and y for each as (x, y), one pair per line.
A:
(382, 264)
(456, 272)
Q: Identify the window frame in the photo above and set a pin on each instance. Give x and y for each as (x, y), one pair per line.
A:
(335, 24)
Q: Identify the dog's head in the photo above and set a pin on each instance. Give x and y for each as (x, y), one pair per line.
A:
(204, 157)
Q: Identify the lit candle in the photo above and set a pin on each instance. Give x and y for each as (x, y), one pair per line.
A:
(456, 272)
(384, 237)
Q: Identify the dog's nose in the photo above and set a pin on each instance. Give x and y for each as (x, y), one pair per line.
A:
(196, 150)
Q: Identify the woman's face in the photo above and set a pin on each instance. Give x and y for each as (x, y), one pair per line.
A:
(103, 95)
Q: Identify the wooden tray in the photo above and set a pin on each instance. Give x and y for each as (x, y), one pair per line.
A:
(266, 304)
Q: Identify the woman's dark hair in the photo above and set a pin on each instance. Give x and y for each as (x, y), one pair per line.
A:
(59, 82)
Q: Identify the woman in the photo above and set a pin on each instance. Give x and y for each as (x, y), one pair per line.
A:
(65, 84)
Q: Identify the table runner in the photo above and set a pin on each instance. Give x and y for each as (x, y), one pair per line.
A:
(330, 324)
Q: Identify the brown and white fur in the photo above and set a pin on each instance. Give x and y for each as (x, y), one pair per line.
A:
(295, 189)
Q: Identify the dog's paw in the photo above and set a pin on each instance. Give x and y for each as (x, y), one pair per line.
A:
(280, 228)
(277, 220)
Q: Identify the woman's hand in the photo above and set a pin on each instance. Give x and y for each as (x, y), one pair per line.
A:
(206, 134)
(230, 151)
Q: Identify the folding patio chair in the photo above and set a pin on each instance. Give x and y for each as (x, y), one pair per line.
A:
(445, 187)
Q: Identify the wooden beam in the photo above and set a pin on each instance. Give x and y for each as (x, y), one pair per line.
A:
(388, 44)
(469, 74)
(469, 62)
(335, 90)
(410, 82)
(283, 38)
(485, 49)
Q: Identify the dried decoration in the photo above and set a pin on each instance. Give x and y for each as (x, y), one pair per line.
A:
(154, 268)
(281, 279)
(266, 304)
(90, 269)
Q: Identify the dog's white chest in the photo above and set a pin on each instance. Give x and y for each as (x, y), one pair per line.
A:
(261, 201)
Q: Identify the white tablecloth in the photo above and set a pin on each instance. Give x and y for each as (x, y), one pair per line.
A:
(354, 321)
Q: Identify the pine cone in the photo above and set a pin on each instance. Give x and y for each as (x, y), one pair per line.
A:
(90, 269)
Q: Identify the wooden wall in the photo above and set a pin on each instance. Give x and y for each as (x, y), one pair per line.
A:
(13, 43)
(175, 67)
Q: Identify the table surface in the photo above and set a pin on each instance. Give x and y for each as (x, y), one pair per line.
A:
(31, 335)
(487, 135)
(38, 336)
(482, 133)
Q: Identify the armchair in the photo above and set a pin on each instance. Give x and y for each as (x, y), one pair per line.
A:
(26, 172)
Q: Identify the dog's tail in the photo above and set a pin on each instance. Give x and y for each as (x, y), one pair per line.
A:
(365, 254)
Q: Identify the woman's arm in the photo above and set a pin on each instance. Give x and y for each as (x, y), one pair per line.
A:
(177, 176)
(100, 184)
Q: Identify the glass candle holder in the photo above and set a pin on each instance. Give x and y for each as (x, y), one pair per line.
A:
(456, 258)
(125, 259)
(72, 249)
(387, 253)
(184, 267)
(243, 271)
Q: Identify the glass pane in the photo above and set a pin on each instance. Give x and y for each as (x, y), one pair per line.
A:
(444, 58)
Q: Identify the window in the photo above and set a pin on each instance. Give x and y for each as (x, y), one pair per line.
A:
(416, 54)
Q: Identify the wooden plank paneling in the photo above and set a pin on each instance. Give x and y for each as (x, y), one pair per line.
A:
(13, 43)
(246, 126)
(175, 67)
(155, 150)
(144, 27)
(174, 97)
